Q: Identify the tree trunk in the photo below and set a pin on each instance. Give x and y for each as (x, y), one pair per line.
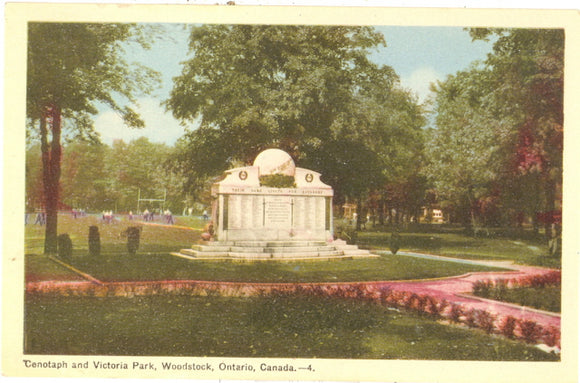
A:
(51, 174)
(550, 205)
(359, 213)
(382, 212)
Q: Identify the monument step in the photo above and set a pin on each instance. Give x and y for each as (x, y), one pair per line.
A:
(211, 248)
(261, 255)
(346, 247)
(249, 243)
(295, 243)
(197, 254)
(296, 249)
(356, 252)
(247, 249)
(218, 243)
(285, 255)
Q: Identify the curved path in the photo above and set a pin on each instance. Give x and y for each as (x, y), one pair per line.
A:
(453, 289)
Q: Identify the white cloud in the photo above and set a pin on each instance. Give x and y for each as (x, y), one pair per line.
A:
(160, 126)
(420, 80)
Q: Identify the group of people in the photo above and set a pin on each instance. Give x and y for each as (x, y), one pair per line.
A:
(149, 216)
(78, 213)
(108, 216)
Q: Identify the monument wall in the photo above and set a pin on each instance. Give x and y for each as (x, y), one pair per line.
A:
(246, 211)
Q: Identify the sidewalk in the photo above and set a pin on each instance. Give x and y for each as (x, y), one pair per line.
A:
(456, 289)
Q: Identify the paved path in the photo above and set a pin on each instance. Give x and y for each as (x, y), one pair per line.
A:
(455, 289)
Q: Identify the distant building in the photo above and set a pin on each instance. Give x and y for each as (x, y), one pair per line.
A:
(432, 216)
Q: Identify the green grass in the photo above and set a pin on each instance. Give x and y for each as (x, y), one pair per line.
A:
(154, 239)
(153, 262)
(456, 244)
(285, 326)
(543, 298)
(162, 266)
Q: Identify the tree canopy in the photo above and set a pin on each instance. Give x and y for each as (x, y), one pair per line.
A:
(499, 128)
(309, 90)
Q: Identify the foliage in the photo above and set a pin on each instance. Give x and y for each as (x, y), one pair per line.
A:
(539, 291)
(277, 181)
(97, 177)
(507, 326)
(309, 90)
(496, 152)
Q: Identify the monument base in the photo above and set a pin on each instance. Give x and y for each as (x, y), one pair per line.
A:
(273, 250)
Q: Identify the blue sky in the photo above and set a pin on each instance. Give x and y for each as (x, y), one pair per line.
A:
(420, 55)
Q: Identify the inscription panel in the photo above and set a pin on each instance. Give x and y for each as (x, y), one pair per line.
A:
(277, 212)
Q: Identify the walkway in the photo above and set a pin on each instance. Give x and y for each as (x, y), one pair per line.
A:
(455, 289)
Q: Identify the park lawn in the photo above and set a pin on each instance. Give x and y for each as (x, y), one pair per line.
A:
(543, 298)
(149, 267)
(154, 238)
(282, 326)
(40, 268)
(154, 262)
(525, 251)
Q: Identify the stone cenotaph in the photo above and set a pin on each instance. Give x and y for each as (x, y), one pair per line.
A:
(292, 219)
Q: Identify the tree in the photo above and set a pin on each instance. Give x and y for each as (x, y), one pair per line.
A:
(528, 89)
(309, 90)
(497, 145)
(462, 147)
(84, 183)
(139, 167)
(70, 67)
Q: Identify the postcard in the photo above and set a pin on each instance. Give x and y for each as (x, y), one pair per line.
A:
(297, 193)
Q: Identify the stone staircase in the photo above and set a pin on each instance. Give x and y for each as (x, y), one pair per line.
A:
(273, 250)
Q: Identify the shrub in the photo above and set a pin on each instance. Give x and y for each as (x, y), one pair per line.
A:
(530, 330)
(456, 312)
(384, 295)
(277, 181)
(395, 243)
(551, 336)
(482, 288)
(485, 321)
(64, 247)
(507, 326)
(471, 318)
(94, 241)
(133, 236)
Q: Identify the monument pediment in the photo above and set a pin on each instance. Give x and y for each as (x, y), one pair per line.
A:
(246, 179)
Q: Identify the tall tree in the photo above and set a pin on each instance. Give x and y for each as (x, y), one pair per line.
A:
(309, 90)
(499, 127)
(70, 67)
(462, 147)
(528, 88)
